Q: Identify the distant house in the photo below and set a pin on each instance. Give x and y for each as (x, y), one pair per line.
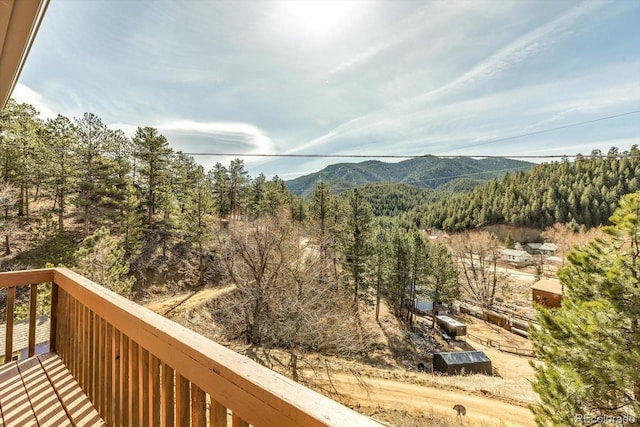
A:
(513, 255)
(548, 249)
(21, 338)
(533, 248)
(547, 293)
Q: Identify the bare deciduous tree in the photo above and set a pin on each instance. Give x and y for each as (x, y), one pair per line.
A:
(477, 255)
(278, 301)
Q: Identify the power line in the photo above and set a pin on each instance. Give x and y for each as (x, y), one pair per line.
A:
(398, 156)
(509, 138)
(344, 156)
(402, 156)
(410, 156)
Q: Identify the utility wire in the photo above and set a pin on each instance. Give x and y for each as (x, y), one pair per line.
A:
(363, 156)
(402, 156)
(412, 156)
(509, 138)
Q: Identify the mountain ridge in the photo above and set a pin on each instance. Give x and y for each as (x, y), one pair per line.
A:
(426, 172)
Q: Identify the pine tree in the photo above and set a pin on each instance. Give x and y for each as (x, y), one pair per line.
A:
(257, 202)
(357, 245)
(591, 345)
(320, 205)
(380, 259)
(399, 270)
(94, 167)
(442, 276)
(59, 146)
(238, 179)
(132, 221)
(219, 178)
(102, 260)
(153, 151)
(509, 243)
(198, 216)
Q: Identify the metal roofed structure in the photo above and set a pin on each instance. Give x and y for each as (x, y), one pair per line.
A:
(451, 326)
(468, 362)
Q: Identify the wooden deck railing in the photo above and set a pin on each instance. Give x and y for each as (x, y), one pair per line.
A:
(140, 369)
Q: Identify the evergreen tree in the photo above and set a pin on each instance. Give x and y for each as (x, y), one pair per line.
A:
(153, 153)
(238, 178)
(219, 178)
(357, 245)
(509, 243)
(121, 156)
(399, 271)
(183, 176)
(442, 276)
(101, 259)
(132, 221)
(198, 216)
(26, 148)
(320, 212)
(380, 259)
(591, 345)
(94, 167)
(59, 147)
(258, 190)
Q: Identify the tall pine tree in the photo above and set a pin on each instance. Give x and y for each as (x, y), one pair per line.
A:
(591, 345)
(152, 151)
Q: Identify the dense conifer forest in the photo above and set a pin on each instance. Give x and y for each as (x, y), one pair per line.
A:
(583, 192)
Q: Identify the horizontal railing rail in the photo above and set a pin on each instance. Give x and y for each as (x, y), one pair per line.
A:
(139, 368)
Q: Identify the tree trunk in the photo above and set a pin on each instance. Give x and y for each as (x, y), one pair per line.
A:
(378, 286)
(21, 202)
(7, 246)
(26, 203)
(200, 264)
(436, 297)
(86, 221)
(61, 213)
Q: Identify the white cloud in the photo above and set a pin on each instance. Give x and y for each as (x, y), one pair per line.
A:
(23, 93)
(241, 133)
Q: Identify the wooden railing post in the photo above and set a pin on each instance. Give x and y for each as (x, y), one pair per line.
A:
(8, 349)
(53, 317)
(33, 309)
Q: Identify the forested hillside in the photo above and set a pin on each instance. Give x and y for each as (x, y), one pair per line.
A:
(392, 199)
(585, 191)
(62, 180)
(425, 172)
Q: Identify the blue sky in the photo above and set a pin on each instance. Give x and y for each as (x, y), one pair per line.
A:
(374, 78)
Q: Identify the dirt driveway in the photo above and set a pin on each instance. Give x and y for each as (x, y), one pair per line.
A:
(385, 393)
(177, 304)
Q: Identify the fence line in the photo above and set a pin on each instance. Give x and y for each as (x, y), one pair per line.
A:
(503, 347)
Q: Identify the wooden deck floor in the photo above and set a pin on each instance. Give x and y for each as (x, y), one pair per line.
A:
(40, 391)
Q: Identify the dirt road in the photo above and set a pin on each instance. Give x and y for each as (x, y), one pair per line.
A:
(184, 301)
(377, 392)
